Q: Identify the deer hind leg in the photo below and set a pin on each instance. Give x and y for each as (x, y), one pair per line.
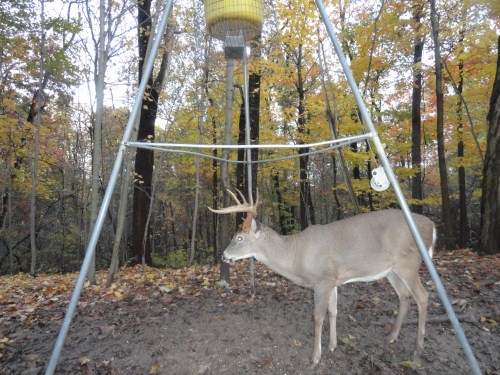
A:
(321, 300)
(412, 282)
(332, 314)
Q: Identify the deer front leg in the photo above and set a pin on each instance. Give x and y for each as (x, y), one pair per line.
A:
(321, 297)
(332, 313)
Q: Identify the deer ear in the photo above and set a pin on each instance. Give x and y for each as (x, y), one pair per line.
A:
(256, 228)
(247, 223)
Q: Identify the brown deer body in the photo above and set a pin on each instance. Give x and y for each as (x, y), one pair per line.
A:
(365, 247)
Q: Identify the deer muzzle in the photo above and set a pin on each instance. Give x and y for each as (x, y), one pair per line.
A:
(226, 258)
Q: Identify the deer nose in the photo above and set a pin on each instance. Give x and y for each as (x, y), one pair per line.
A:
(225, 258)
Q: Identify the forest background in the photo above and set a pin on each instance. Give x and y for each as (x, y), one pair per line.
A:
(69, 71)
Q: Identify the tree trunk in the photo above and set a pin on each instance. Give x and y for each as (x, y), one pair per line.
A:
(100, 64)
(356, 171)
(416, 124)
(8, 201)
(240, 167)
(215, 189)
(254, 106)
(306, 206)
(331, 117)
(443, 173)
(36, 153)
(201, 120)
(225, 235)
(172, 220)
(192, 247)
(34, 180)
(285, 227)
(490, 208)
(121, 216)
(463, 226)
(144, 159)
(125, 187)
(304, 185)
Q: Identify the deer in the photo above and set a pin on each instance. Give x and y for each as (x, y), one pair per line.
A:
(365, 247)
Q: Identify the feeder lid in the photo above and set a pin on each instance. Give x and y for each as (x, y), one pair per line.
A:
(234, 17)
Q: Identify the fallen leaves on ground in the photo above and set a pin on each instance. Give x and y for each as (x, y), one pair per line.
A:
(23, 296)
(28, 299)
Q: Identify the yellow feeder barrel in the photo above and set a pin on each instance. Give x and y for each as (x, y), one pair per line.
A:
(234, 17)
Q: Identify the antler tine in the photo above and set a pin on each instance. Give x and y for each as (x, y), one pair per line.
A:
(241, 195)
(257, 202)
(241, 206)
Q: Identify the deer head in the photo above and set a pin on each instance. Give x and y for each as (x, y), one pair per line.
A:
(242, 244)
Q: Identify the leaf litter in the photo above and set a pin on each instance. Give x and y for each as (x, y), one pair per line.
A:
(188, 321)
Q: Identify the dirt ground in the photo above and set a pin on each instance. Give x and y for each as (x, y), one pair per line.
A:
(200, 327)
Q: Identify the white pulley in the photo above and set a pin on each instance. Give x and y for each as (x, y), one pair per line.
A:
(379, 181)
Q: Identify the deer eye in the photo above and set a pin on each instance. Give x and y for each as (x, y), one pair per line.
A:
(239, 238)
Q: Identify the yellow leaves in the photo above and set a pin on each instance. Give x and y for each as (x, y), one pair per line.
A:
(427, 201)
(114, 291)
(491, 323)
(83, 361)
(466, 162)
(155, 369)
(118, 294)
(144, 31)
(348, 340)
(3, 341)
(405, 172)
(411, 364)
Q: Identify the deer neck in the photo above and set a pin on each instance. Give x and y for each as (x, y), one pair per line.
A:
(281, 254)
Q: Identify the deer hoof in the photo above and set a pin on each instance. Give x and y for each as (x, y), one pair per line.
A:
(392, 339)
(315, 358)
(417, 354)
(332, 346)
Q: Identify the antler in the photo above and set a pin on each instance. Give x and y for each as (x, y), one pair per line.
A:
(241, 206)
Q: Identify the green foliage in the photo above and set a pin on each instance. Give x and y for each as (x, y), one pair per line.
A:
(173, 259)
